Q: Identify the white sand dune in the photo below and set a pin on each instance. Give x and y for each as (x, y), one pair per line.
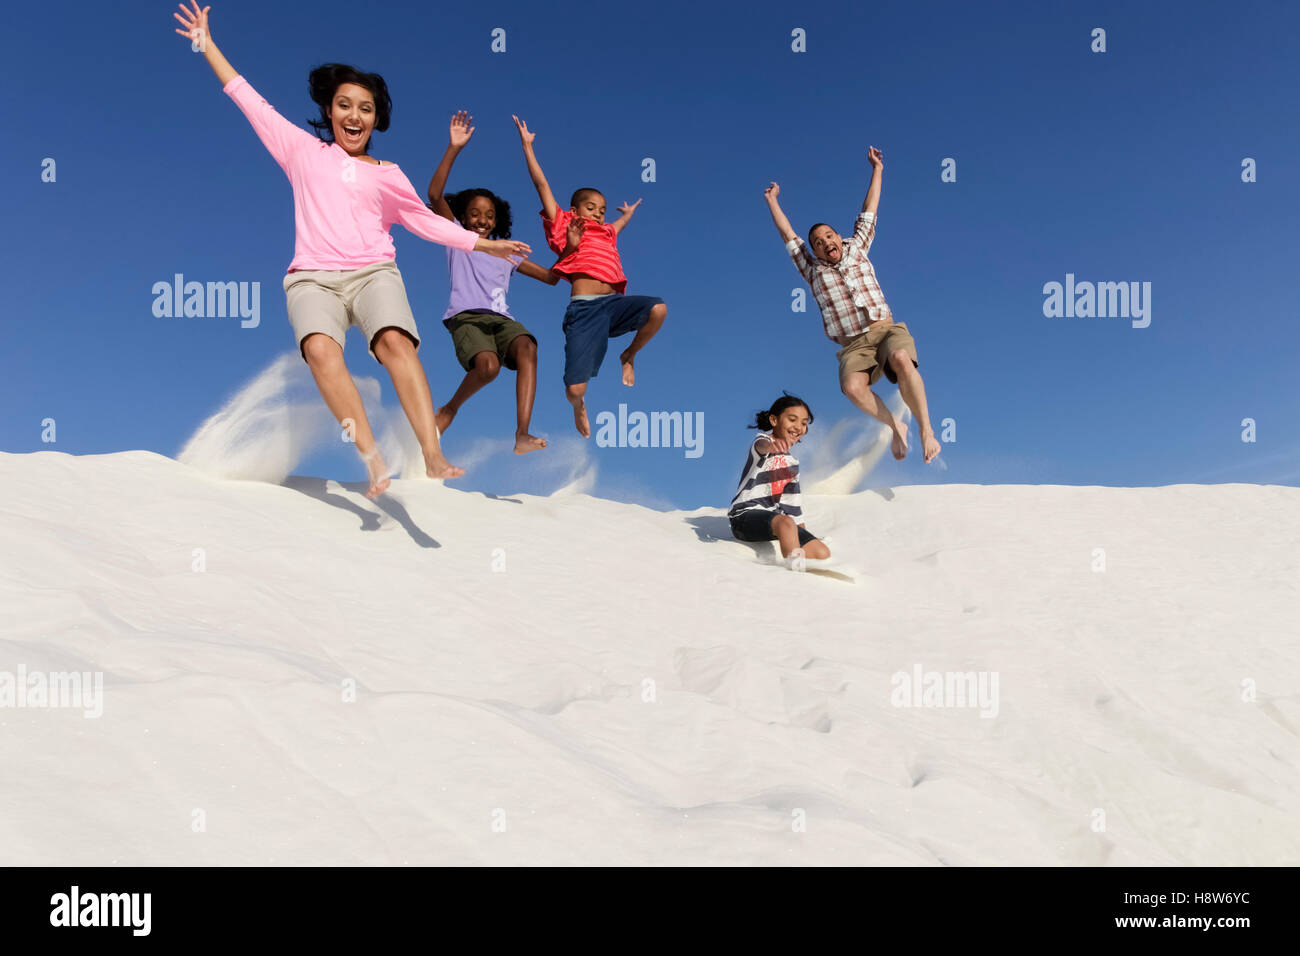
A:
(629, 686)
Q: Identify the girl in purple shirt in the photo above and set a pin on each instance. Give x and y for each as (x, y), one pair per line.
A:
(343, 272)
(483, 332)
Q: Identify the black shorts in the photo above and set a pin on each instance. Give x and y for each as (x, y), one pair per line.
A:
(756, 525)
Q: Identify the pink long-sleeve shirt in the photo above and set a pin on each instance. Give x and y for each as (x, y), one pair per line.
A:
(342, 207)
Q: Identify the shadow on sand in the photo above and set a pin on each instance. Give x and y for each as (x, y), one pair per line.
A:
(710, 528)
(316, 488)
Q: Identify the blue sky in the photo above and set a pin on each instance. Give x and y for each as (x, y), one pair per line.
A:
(1115, 166)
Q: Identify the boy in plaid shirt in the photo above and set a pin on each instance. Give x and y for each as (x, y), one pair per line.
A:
(856, 316)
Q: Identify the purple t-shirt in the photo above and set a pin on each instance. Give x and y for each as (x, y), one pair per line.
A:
(478, 281)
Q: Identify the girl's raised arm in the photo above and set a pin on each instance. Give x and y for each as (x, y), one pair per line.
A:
(460, 131)
(195, 29)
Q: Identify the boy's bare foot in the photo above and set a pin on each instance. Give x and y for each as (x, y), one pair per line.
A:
(629, 374)
(930, 446)
(580, 419)
(378, 472)
(436, 466)
(899, 446)
(443, 418)
(524, 443)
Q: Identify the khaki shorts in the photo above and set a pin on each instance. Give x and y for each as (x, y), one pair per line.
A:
(481, 331)
(372, 298)
(870, 351)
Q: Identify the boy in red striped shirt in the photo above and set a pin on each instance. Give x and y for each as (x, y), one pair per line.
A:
(598, 310)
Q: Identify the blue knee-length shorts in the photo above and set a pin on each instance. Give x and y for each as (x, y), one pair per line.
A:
(589, 324)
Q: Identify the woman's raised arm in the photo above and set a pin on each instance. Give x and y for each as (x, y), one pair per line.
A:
(195, 24)
(280, 137)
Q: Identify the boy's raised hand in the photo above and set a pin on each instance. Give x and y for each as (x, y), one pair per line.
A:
(460, 129)
(771, 192)
(627, 210)
(524, 134)
(875, 157)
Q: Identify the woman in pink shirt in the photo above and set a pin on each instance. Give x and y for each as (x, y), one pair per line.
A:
(343, 271)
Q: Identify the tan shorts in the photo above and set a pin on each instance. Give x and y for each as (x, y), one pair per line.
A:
(870, 351)
(372, 298)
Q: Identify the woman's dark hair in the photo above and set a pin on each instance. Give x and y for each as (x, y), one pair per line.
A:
(325, 82)
(780, 405)
(459, 202)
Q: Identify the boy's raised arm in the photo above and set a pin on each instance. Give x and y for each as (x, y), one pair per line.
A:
(877, 160)
(782, 224)
(624, 219)
(549, 205)
(460, 131)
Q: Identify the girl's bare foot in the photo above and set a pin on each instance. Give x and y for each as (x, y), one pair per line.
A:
(378, 471)
(900, 440)
(524, 443)
(930, 446)
(629, 374)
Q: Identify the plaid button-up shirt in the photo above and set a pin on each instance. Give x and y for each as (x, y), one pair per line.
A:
(847, 293)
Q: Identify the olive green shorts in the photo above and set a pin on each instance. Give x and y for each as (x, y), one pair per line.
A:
(870, 351)
(479, 330)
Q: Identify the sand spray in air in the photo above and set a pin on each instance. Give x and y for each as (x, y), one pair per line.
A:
(838, 461)
(274, 420)
(265, 429)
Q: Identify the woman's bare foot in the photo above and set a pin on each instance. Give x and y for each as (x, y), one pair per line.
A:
(443, 418)
(524, 443)
(899, 447)
(629, 374)
(378, 472)
(930, 446)
(436, 466)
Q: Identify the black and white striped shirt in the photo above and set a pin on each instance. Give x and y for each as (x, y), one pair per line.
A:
(769, 483)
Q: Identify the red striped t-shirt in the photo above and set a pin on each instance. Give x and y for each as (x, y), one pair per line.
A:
(597, 252)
